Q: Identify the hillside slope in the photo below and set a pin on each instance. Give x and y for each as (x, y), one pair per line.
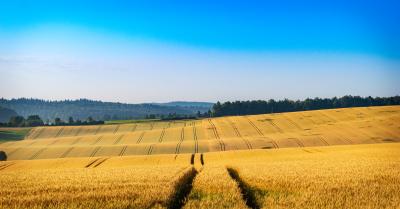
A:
(6, 114)
(270, 131)
(83, 108)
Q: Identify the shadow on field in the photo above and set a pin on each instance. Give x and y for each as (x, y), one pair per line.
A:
(182, 188)
(3, 156)
(247, 192)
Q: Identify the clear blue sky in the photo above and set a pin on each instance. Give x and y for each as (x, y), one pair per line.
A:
(137, 51)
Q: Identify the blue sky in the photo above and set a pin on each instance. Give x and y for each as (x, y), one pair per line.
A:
(137, 51)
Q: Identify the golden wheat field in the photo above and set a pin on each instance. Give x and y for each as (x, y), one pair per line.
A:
(339, 158)
(298, 129)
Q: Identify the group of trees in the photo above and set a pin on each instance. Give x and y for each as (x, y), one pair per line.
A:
(174, 116)
(72, 122)
(83, 108)
(35, 120)
(20, 121)
(272, 106)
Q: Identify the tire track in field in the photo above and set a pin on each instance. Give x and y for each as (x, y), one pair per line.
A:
(95, 151)
(4, 166)
(78, 131)
(150, 150)
(116, 129)
(323, 140)
(178, 146)
(140, 137)
(37, 154)
(76, 141)
(97, 130)
(52, 143)
(95, 163)
(275, 126)
(254, 126)
(66, 152)
(119, 139)
(298, 142)
(39, 133)
(202, 159)
(248, 194)
(151, 126)
(59, 132)
(292, 122)
(160, 139)
(123, 150)
(97, 140)
(220, 142)
(246, 141)
(182, 188)
(134, 128)
(196, 142)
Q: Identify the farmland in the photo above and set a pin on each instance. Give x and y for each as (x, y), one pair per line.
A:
(339, 158)
(269, 131)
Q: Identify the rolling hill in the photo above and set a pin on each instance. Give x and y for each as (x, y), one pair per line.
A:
(269, 131)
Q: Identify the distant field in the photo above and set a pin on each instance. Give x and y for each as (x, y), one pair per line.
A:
(110, 122)
(11, 134)
(346, 126)
(351, 176)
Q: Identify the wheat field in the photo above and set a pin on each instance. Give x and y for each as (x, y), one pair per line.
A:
(269, 131)
(340, 158)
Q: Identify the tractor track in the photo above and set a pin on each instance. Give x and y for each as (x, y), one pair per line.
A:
(123, 151)
(119, 139)
(246, 141)
(140, 137)
(39, 133)
(150, 150)
(76, 141)
(178, 146)
(298, 142)
(78, 131)
(95, 163)
(97, 140)
(116, 129)
(254, 126)
(97, 130)
(66, 152)
(95, 151)
(37, 154)
(196, 142)
(160, 139)
(292, 122)
(220, 142)
(134, 128)
(4, 166)
(323, 140)
(59, 132)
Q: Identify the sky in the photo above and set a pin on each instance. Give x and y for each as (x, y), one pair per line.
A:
(159, 51)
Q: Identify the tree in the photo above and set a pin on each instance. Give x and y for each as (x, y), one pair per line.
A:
(17, 121)
(34, 120)
(71, 120)
(58, 121)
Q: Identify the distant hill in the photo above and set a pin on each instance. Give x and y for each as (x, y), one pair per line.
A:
(206, 105)
(83, 108)
(6, 114)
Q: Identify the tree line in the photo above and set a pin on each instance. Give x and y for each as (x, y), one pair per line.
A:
(35, 120)
(286, 105)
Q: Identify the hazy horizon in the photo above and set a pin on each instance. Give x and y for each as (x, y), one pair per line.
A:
(206, 52)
